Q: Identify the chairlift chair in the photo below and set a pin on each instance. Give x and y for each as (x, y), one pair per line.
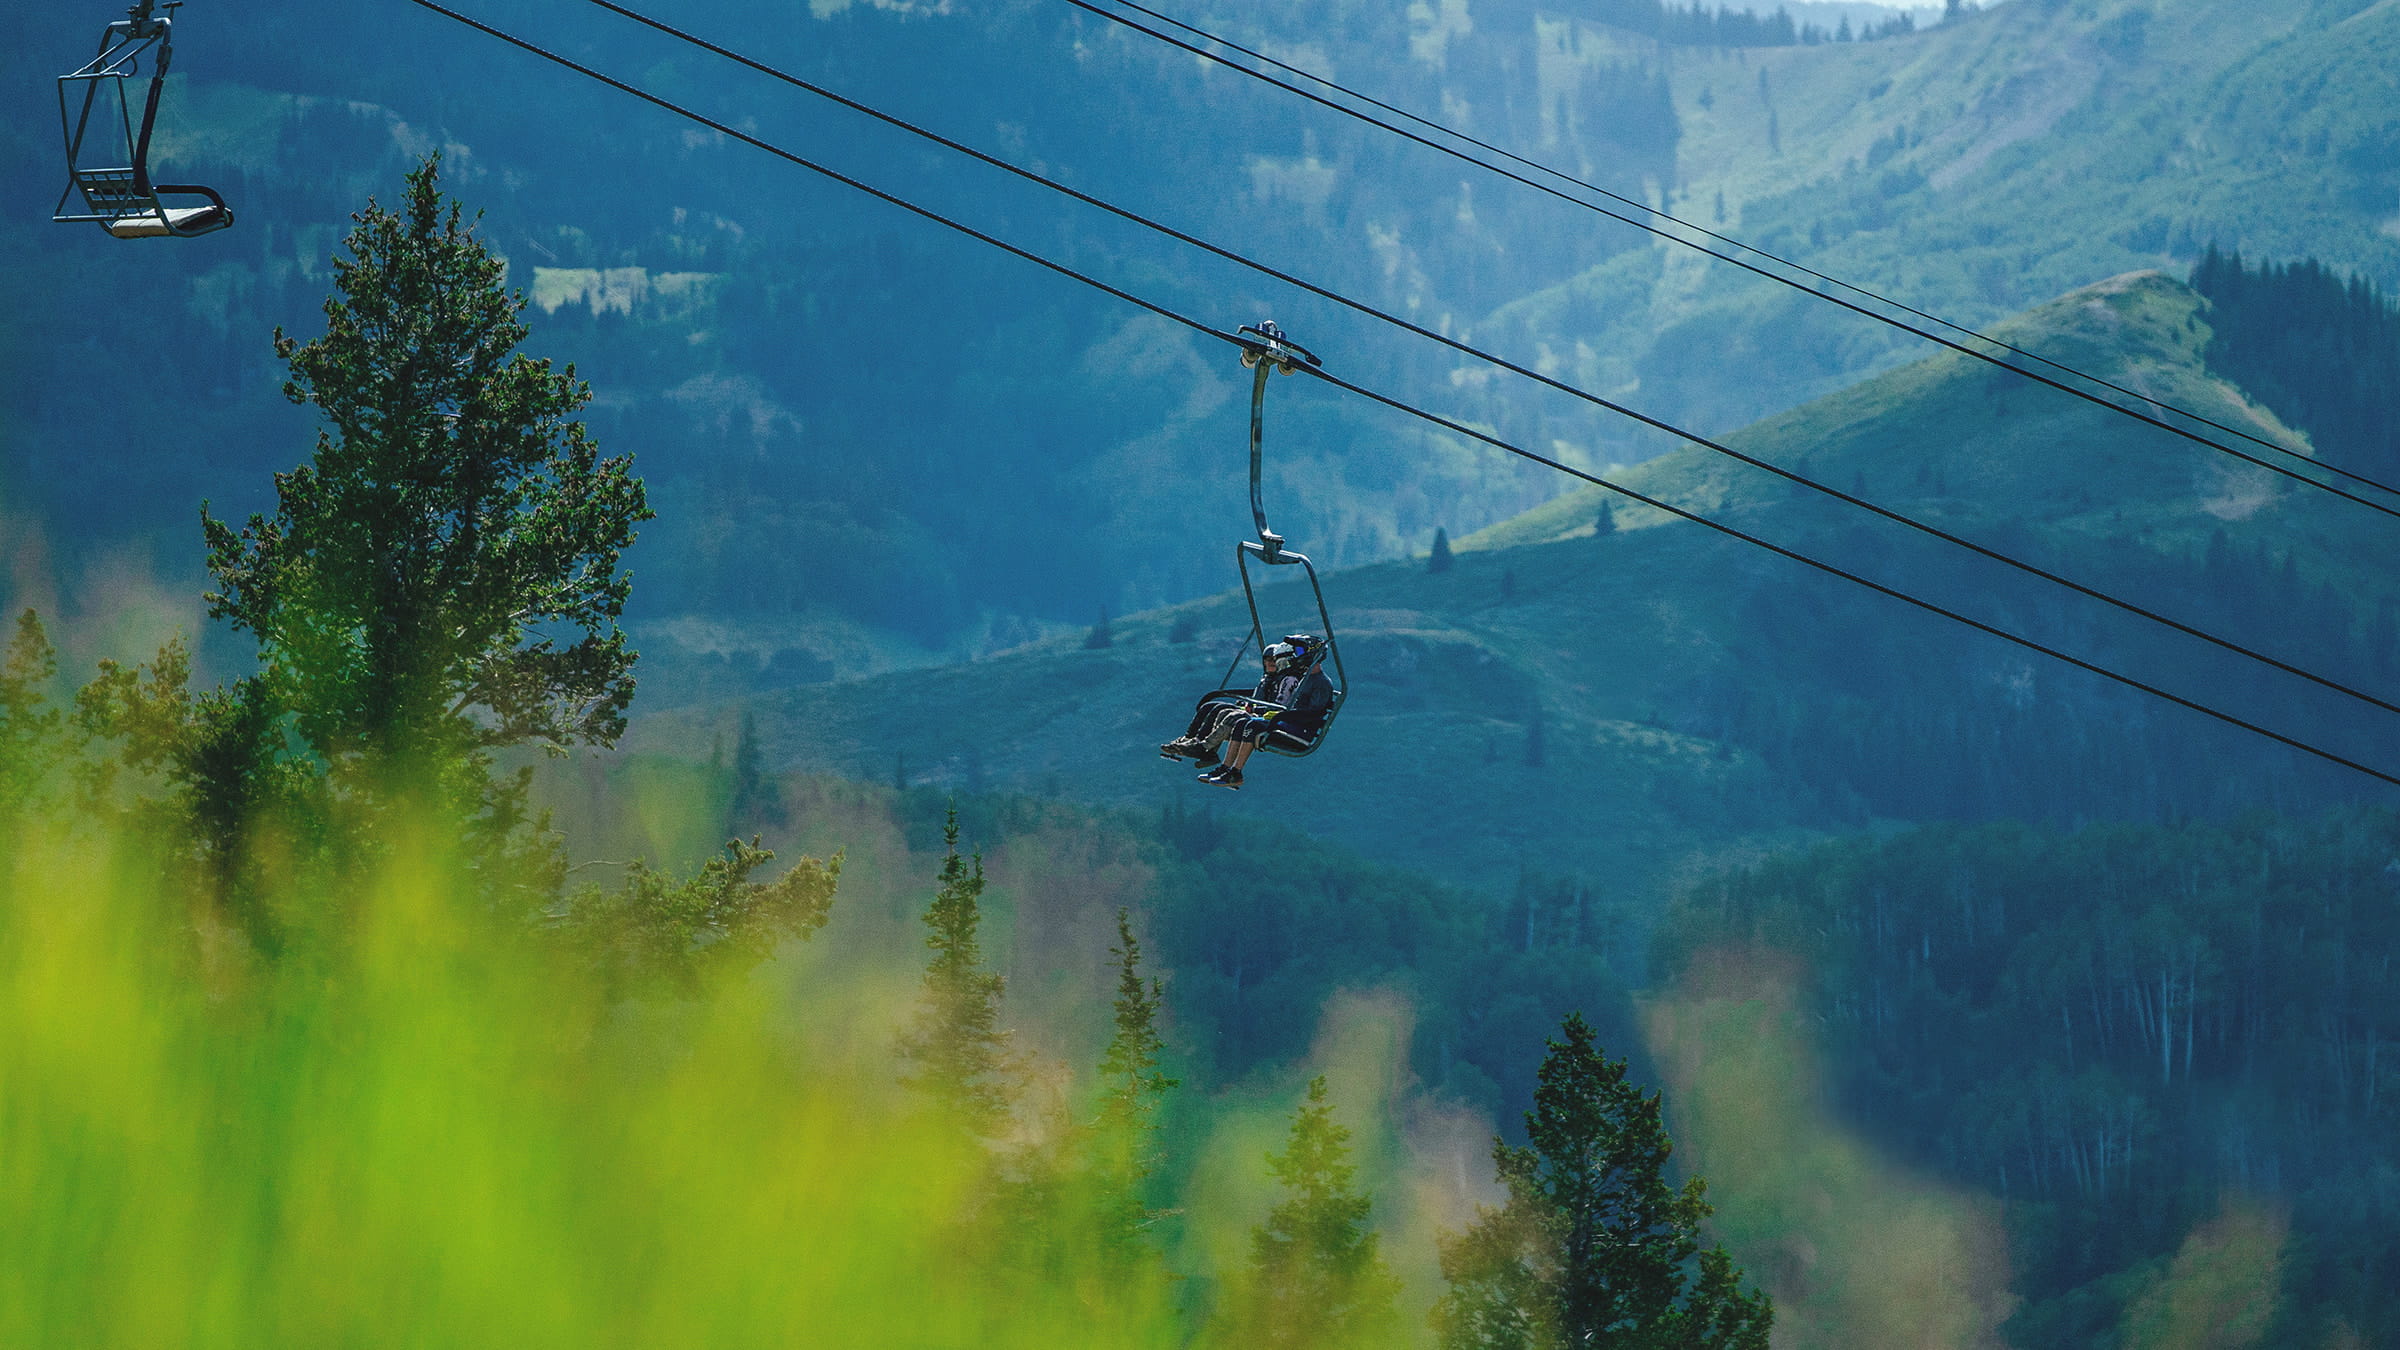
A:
(1265, 349)
(108, 158)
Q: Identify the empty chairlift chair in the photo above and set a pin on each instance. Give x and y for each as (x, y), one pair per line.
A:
(108, 155)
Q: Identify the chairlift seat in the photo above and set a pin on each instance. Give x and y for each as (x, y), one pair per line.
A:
(97, 119)
(119, 201)
(1278, 741)
(171, 222)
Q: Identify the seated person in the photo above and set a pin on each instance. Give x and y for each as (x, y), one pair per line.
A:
(1292, 696)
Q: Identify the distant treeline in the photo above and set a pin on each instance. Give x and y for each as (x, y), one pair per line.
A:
(1698, 27)
(2323, 352)
(2111, 1029)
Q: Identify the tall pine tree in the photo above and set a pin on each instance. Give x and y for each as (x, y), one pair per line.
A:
(1593, 1248)
(957, 1052)
(30, 739)
(752, 796)
(1125, 1151)
(441, 580)
(1317, 1279)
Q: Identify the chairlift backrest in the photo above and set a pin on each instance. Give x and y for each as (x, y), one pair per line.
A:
(108, 154)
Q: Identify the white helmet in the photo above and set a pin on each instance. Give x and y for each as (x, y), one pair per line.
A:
(1280, 655)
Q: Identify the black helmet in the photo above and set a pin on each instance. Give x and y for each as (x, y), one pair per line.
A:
(1282, 655)
(1307, 646)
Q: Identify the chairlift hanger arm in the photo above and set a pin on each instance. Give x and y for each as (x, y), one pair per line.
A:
(1265, 348)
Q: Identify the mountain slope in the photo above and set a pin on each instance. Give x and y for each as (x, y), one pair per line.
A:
(1978, 166)
(821, 389)
(1622, 706)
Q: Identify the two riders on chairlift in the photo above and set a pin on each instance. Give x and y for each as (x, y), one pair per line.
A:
(1292, 701)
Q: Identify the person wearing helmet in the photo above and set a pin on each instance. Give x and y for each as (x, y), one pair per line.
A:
(1292, 696)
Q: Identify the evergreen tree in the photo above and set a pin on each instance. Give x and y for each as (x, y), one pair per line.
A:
(752, 796)
(956, 1050)
(30, 728)
(1099, 636)
(1439, 559)
(441, 580)
(1317, 1278)
(410, 595)
(1125, 1138)
(1593, 1247)
(657, 932)
(228, 771)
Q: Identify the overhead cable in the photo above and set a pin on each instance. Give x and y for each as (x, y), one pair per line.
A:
(1398, 405)
(1731, 242)
(1466, 349)
(2037, 377)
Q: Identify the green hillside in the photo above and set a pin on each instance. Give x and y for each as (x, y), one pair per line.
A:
(1628, 707)
(1975, 167)
(1973, 447)
(852, 421)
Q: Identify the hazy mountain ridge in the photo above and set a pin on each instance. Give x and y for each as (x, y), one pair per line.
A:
(857, 392)
(1615, 706)
(1978, 166)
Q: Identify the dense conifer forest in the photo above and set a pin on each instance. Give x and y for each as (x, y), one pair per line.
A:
(2320, 348)
(1701, 26)
(2114, 1030)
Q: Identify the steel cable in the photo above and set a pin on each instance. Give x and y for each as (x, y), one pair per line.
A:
(1726, 239)
(2037, 377)
(1466, 349)
(1435, 419)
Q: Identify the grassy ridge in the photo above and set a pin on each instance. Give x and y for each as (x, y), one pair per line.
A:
(1972, 168)
(1977, 166)
(1694, 698)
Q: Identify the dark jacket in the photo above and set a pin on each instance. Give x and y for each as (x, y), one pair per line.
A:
(1308, 696)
